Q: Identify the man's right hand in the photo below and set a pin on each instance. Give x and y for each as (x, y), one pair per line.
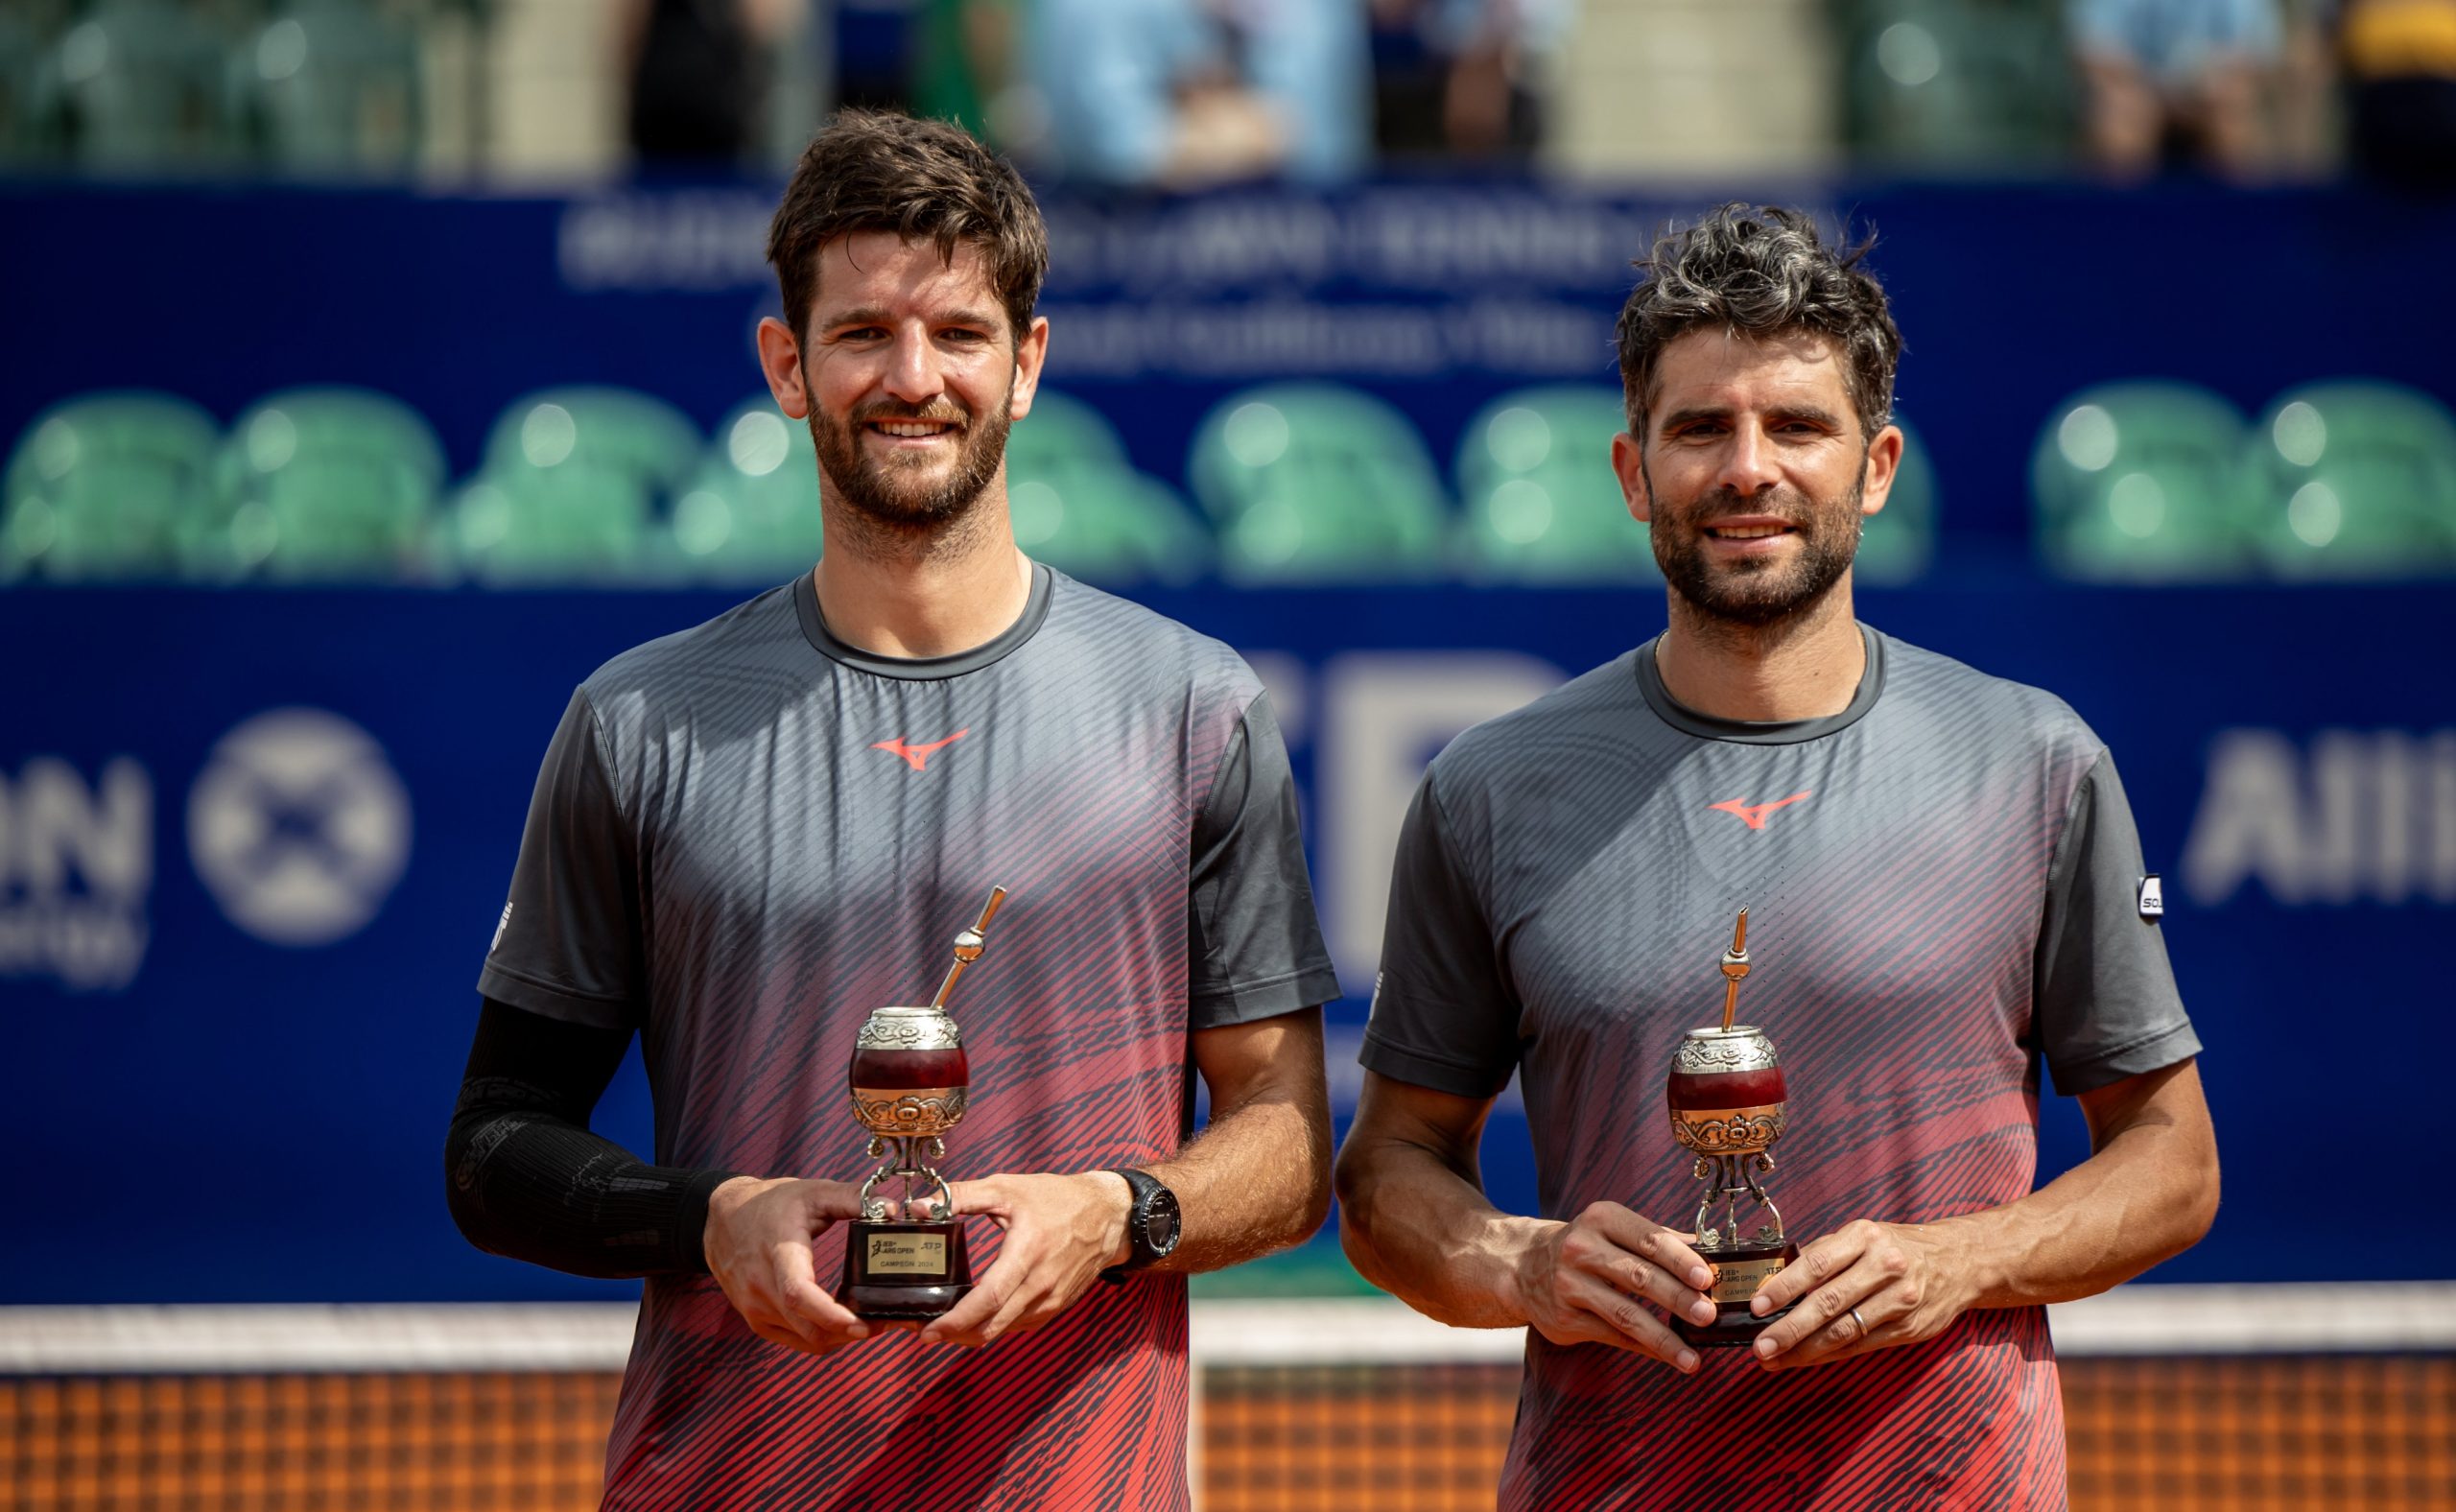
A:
(1583, 1282)
(758, 1247)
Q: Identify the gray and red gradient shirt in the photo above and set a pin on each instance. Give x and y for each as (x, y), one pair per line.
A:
(1941, 884)
(748, 835)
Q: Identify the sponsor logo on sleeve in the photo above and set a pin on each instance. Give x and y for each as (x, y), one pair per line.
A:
(2153, 898)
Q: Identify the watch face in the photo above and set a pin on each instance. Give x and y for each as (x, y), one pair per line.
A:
(1160, 1225)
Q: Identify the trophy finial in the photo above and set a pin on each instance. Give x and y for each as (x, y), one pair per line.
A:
(1735, 967)
(968, 946)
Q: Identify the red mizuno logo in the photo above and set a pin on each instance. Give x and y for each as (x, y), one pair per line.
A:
(1754, 815)
(917, 757)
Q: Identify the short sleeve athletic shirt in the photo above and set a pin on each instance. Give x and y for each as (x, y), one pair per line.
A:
(748, 835)
(1941, 890)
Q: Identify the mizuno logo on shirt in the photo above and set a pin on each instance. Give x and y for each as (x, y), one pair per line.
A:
(917, 757)
(1754, 815)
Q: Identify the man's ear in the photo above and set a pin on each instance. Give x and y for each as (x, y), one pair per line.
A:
(1031, 353)
(1883, 465)
(1628, 463)
(780, 359)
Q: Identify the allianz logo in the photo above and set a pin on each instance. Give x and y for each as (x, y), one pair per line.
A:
(2347, 816)
(297, 827)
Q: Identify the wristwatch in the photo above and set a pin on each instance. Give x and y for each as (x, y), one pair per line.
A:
(1152, 1225)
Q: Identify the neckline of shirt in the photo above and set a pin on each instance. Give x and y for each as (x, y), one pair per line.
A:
(1761, 732)
(923, 669)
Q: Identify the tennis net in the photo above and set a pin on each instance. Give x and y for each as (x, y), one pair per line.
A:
(2177, 1397)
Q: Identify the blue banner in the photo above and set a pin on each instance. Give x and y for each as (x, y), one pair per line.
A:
(252, 845)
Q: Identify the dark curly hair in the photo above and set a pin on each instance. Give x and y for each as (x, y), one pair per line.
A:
(1759, 272)
(881, 170)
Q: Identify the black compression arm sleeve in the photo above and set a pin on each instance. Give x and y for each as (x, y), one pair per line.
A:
(526, 1178)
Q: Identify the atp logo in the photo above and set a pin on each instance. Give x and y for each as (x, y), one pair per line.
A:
(917, 757)
(300, 827)
(1754, 815)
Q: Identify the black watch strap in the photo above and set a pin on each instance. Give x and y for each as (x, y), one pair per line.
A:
(1151, 1223)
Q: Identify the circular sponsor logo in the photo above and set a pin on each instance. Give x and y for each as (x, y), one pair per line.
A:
(300, 827)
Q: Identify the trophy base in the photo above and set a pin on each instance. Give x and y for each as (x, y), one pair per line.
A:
(1737, 1274)
(896, 1269)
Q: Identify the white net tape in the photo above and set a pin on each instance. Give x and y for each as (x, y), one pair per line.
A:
(2414, 1317)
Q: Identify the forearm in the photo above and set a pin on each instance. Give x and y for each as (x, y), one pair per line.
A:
(524, 1177)
(532, 1187)
(1424, 1233)
(2146, 1196)
(1257, 1180)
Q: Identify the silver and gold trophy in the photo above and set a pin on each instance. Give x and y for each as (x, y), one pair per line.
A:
(1727, 1100)
(909, 1079)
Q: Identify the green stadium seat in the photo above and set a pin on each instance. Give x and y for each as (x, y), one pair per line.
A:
(1540, 499)
(574, 482)
(330, 484)
(575, 524)
(335, 88)
(1318, 483)
(141, 87)
(2356, 480)
(1898, 542)
(110, 486)
(2144, 483)
(1063, 431)
(1076, 502)
(752, 513)
(1110, 528)
(617, 430)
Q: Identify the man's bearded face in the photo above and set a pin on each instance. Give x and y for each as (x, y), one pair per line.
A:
(1753, 466)
(1718, 567)
(911, 489)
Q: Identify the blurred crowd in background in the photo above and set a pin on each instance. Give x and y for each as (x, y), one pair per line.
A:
(1186, 93)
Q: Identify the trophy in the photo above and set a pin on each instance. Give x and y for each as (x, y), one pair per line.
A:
(908, 1080)
(1726, 1097)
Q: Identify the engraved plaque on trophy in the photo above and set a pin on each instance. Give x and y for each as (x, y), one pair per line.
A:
(908, 1080)
(1727, 1100)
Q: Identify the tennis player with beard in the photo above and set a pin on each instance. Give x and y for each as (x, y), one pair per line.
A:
(748, 835)
(1944, 891)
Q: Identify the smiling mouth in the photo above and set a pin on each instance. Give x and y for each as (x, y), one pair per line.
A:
(909, 430)
(1747, 532)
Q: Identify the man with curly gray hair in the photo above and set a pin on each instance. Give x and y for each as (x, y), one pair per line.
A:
(1944, 889)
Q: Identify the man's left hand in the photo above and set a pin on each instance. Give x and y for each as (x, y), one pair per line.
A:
(1906, 1281)
(1061, 1232)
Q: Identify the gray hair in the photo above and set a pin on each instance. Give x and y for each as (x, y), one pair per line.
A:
(1759, 272)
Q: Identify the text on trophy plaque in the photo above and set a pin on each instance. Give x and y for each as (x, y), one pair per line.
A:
(908, 1255)
(1737, 1280)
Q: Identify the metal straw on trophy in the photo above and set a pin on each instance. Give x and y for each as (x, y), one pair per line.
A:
(908, 1080)
(1727, 1098)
